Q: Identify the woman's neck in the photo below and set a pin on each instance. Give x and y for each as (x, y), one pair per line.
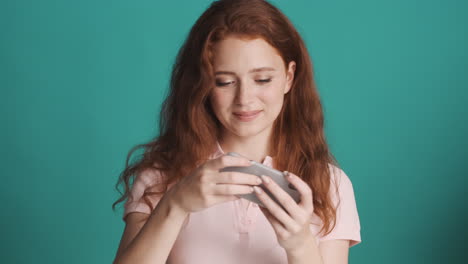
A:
(254, 148)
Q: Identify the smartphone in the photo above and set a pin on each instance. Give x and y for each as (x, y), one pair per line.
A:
(260, 169)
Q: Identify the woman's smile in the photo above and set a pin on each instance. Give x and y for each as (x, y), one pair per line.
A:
(247, 116)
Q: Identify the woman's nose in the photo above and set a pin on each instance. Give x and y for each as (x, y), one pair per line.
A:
(244, 94)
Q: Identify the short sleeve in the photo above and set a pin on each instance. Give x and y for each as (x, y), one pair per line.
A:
(146, 180)
(347, 217)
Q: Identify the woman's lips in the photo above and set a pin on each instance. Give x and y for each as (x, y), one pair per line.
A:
(247, 116)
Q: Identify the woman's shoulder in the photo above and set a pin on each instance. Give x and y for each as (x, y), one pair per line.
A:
(150, 176)
(338, 177)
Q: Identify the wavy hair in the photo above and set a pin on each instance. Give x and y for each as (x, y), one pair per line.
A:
(189, 128)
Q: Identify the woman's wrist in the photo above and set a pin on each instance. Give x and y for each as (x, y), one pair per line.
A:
(305, 253)
(171, 207)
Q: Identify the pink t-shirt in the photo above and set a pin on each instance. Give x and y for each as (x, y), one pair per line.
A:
(228, 233)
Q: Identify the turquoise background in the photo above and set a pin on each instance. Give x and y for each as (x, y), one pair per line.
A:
(82, 82)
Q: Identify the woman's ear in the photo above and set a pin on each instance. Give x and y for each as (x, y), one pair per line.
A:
(290, 76)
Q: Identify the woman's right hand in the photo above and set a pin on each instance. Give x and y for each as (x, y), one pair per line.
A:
(206, 186)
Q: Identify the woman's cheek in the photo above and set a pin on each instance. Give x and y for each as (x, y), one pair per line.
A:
(221, 103)
(272, 96)
(274, 102)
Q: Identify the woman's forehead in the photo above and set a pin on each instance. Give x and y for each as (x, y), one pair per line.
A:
(246, 55)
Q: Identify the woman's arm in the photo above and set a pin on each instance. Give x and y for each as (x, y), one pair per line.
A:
(309, 253)
(153, 243)
(329, 252)
(334, 251)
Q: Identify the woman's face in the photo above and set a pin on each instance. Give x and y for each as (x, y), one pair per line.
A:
(251, 82)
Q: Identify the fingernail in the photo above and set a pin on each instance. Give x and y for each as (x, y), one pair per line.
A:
(257, 189)
(265, 179)
(259, 180)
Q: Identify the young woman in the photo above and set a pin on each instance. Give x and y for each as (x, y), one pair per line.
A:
(242, 82)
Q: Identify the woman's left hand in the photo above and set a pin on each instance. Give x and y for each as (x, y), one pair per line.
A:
(291, 226)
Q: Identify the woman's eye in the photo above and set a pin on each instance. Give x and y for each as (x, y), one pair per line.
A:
(264, 80)
(219, 83)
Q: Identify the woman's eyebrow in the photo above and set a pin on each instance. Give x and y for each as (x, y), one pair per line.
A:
(262, 69)
(251, 71)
